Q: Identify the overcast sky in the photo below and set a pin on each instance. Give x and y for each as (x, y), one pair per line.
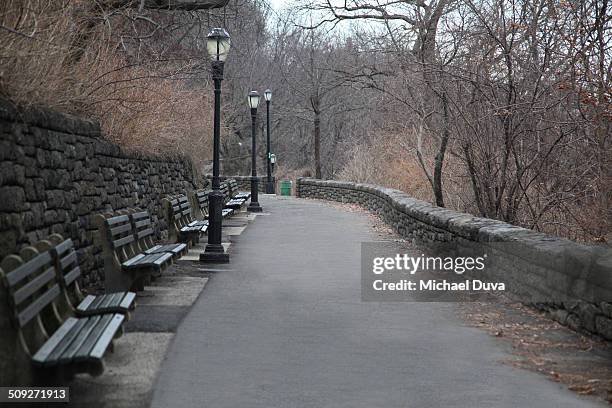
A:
(278, 4)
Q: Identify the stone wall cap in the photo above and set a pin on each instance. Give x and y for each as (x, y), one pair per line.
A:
(49, 119)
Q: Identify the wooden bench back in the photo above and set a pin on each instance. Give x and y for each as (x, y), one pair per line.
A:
(174, 209)
(120, 236)
(201, 197)
(67, 263)
(233, 187)
(30, 283)
(142, 225)
(116, 238)
(185, 207)
(32, 286)
(68, 272)
(224, 187)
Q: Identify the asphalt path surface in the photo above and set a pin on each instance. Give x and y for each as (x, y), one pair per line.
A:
(285, 327)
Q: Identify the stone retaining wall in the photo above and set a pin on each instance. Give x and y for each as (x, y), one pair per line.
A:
(56, 172)
(538, 265)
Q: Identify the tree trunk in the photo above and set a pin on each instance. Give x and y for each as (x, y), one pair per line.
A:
(439, 161)
(317, 143)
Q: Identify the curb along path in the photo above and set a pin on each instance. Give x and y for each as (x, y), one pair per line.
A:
(285, 327)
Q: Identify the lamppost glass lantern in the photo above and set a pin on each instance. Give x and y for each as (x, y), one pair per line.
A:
(268, 95)
(273, 158)
(218, 44)
(253, 99)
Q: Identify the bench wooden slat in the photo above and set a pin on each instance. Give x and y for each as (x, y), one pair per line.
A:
(116, 220)
(142, 223)
(128, 301)
(133, 260)
(108, 303)
(27, 269)
(43, 353)
(149, 260)
(162, 259)
(153, 249)
(116, 301)
(111, 300)
(96, 303)
(174, 248)
(105, 300)
(86, 303)
(68, 259)
(64, 342)
(39, 304)
(72, 275)
(96, 333)
(123, 241)
(33, 286)
(145, 233)
(107, 336)
(197, 223)
(120, 229)
(79, 339)
(64, 247)
(195, 228)
(140, 215)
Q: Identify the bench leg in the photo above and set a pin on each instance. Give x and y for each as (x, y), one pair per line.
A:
(138, 285)
(51, 377)
(116, 281)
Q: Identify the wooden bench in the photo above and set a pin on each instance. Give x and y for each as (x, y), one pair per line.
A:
(235, 193)
(125, 266)
(182, 227)
(56, 346)
(201, 199)
(231, 201)
(68, 271)
(143, 233)
(227, 198)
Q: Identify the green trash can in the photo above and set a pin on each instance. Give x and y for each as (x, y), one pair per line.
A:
(285, 187)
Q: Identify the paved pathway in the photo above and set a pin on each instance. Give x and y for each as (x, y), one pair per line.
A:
(285, 328)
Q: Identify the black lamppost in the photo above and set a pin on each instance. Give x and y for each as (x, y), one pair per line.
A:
(218, 45)
(253, 103)
(269, 184)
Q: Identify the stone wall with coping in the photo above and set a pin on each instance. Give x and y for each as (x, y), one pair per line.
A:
(57, 172)
(538, 265)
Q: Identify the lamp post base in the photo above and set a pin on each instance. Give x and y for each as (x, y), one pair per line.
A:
(270, 187)
(254, 207)
(214, 254)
